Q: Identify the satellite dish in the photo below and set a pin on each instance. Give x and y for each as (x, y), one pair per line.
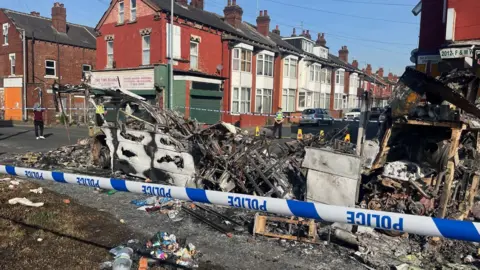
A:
(413, 59)
(414, 52)
(220, 67)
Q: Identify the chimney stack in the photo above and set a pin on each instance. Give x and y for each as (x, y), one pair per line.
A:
(35, 13)
(182, 2)
(263, 23)
(395, 78)
(276, 30)
(233, 13)
(59, 17)
(294, 34)
(380, 72)
(343, 54)
(390, 76)
(355, 64)
(321, 40)
(307, 35)
(200, 4)
(303, 33)
(369, 70)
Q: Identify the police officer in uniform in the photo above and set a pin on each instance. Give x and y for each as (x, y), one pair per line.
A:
(278, 123)
(99, 113)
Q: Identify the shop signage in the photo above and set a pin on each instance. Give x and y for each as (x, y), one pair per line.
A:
(424, 59)
(129, 81)
(450, 53)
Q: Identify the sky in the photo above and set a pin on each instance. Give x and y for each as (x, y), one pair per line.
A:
(378, 32)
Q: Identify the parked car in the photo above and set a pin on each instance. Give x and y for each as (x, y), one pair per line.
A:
(316, 117)
(375, 113)
(353, 114)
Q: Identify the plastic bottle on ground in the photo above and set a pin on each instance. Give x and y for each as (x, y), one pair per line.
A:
(122, 262)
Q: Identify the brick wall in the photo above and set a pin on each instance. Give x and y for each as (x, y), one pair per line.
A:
(14, 46)
(69, 61)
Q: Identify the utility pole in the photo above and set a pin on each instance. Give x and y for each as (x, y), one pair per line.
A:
(362, 125)
(170, 61)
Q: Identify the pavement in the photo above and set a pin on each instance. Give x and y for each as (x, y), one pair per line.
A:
(291, 132)
(21, 139)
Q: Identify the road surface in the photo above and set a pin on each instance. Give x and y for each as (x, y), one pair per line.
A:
(22, 139)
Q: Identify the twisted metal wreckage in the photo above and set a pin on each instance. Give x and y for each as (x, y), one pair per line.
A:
(423, 160)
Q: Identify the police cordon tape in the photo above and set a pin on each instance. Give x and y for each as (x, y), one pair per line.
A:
(181, 107)
(427, 226)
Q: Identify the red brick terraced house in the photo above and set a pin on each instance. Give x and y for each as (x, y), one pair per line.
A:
(224, 68)
(53, 50)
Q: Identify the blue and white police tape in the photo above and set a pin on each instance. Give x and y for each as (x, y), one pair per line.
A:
(454, 229)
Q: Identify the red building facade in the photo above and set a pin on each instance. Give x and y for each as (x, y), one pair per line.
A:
(54, 51)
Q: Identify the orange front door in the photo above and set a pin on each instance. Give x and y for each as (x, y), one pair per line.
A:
(13, 103)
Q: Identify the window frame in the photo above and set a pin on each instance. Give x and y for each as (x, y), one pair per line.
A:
(112, 54)
(54, 69)
(12, 63)
(121, 12)
(145, 49)
(5, 28)
(242, 62)
(340, 77)
(338, 101)
(288, 93)
(241, 103)
(195, 55)
(133, 10)
(83, 69)
(260, 93)
(265, 61)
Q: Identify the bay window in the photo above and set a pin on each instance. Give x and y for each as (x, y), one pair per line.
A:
(315, 73)
(288, 100)
(290, 68)
(338, 101)
(340, 77)
(325, 101)
(241, 100)
(316, 100)
(329, 76)
(242, 60)
(265, 65)
(263, 101)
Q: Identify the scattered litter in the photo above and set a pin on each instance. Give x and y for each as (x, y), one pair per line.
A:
(122, 221)
(15, 182)
(66, 201)
(25, 201)
(37, 191)
(468, 259)
(39, 239)
(111, 192)
(5, 179)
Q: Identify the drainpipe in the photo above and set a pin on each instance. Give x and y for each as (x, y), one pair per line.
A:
(170, 51)
(24, 107)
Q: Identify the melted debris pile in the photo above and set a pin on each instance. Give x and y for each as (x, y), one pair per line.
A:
(427, 160)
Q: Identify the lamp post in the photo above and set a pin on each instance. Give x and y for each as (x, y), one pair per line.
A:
(170, 61)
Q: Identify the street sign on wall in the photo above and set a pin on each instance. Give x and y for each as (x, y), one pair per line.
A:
(424, 59)
(450, 53)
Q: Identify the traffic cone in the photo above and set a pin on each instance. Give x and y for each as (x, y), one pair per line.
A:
(299, 134)
(322, 136)
(347, 138)
(257, 131)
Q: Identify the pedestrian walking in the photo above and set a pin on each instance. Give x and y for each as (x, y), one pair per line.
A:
(278, 123)
(38, 121)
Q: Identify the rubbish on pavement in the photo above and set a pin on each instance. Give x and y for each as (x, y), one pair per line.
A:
(25, 201)
(286, 228)
(37, 190)
(66, 201)
(219, 227)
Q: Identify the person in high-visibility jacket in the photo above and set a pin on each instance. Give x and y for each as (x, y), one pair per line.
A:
(278, 123)
(99, 112)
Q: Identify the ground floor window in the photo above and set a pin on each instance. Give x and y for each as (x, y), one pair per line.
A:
(338, 101)
(288, 100)
(325, 101)
(305, 99)
(316, 100)
(353, 101)
(263, 101)
(241, 100)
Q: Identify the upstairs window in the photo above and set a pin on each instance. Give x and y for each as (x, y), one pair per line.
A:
(265, 65)
(50, 69)
(5, 33)
(110, 54)
(242, 60)
(12, 63)
(133, 10)
(329, 76)
(193, 55)
(315, 73)
(340, 77)
(85, 69)
(290, 68)
(146, 50)
(121, 12)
